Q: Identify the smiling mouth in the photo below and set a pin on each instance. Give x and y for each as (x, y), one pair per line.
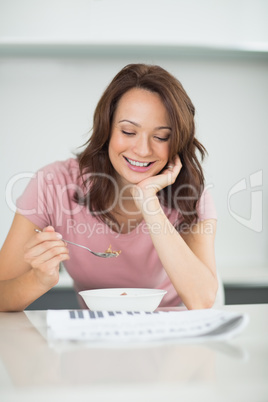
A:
(135, 163)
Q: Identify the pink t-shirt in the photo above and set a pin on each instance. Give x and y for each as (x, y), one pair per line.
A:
(48, 200)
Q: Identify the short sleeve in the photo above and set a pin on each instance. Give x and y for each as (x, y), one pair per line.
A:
(49, 197)
(206, 207)
(33, 203)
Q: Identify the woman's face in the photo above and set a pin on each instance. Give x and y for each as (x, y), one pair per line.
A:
(140, 136)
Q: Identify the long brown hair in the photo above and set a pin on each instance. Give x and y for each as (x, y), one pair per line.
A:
(96, 168)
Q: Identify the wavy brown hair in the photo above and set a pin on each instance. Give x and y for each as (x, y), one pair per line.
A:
(96, 168)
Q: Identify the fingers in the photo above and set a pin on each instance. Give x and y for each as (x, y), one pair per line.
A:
(177, 165)
(170, 166)
(177, 162)
(49, 229)
(44, 252)
(173, 169)
(48, 234)
(149, 187)
(45, 245)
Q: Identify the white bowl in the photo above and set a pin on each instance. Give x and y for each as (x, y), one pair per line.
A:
(123, 299)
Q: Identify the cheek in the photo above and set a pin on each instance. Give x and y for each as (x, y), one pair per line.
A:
(116, 144)
(164, 153)
(112, 147)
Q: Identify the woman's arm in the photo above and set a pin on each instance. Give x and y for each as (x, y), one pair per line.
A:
(188, 258)
(29, 264)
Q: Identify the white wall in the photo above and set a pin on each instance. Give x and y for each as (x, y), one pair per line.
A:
(47, 102)
(232, 23)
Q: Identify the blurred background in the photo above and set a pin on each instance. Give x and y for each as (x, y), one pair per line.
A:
(58, 56)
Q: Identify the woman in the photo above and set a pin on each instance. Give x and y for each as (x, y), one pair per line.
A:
(138, 185)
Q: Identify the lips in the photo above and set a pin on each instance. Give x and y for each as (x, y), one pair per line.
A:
(138, 166)
(136, 163)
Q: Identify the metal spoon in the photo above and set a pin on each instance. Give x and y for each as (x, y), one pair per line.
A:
(102, 255)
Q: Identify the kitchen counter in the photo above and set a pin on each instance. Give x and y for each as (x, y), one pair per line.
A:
(32, 369)
(241, 286)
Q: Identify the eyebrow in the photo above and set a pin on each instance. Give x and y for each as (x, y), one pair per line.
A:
(138, 125)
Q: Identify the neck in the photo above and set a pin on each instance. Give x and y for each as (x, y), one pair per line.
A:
(127, 215)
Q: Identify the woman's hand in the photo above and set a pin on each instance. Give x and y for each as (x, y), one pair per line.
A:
(146, 190)
(44, 252)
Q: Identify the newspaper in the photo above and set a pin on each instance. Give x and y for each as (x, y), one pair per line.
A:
(129, 326)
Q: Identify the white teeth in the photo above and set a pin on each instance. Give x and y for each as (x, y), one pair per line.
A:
(137, 163)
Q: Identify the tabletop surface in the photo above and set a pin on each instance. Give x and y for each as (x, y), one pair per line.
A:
(32, 369)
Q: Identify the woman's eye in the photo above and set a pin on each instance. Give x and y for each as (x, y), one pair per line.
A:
(162, 139)
(127, 132)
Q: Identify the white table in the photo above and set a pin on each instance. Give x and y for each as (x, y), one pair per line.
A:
(31, 370)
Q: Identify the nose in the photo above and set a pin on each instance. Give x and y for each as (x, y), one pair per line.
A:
(142, 146)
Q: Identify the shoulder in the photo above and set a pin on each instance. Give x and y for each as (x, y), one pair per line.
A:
(206, 208)
(60, 171)
(67, 166)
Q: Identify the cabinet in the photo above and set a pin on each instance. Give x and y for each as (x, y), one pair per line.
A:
(168, 27)
(65, 298)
